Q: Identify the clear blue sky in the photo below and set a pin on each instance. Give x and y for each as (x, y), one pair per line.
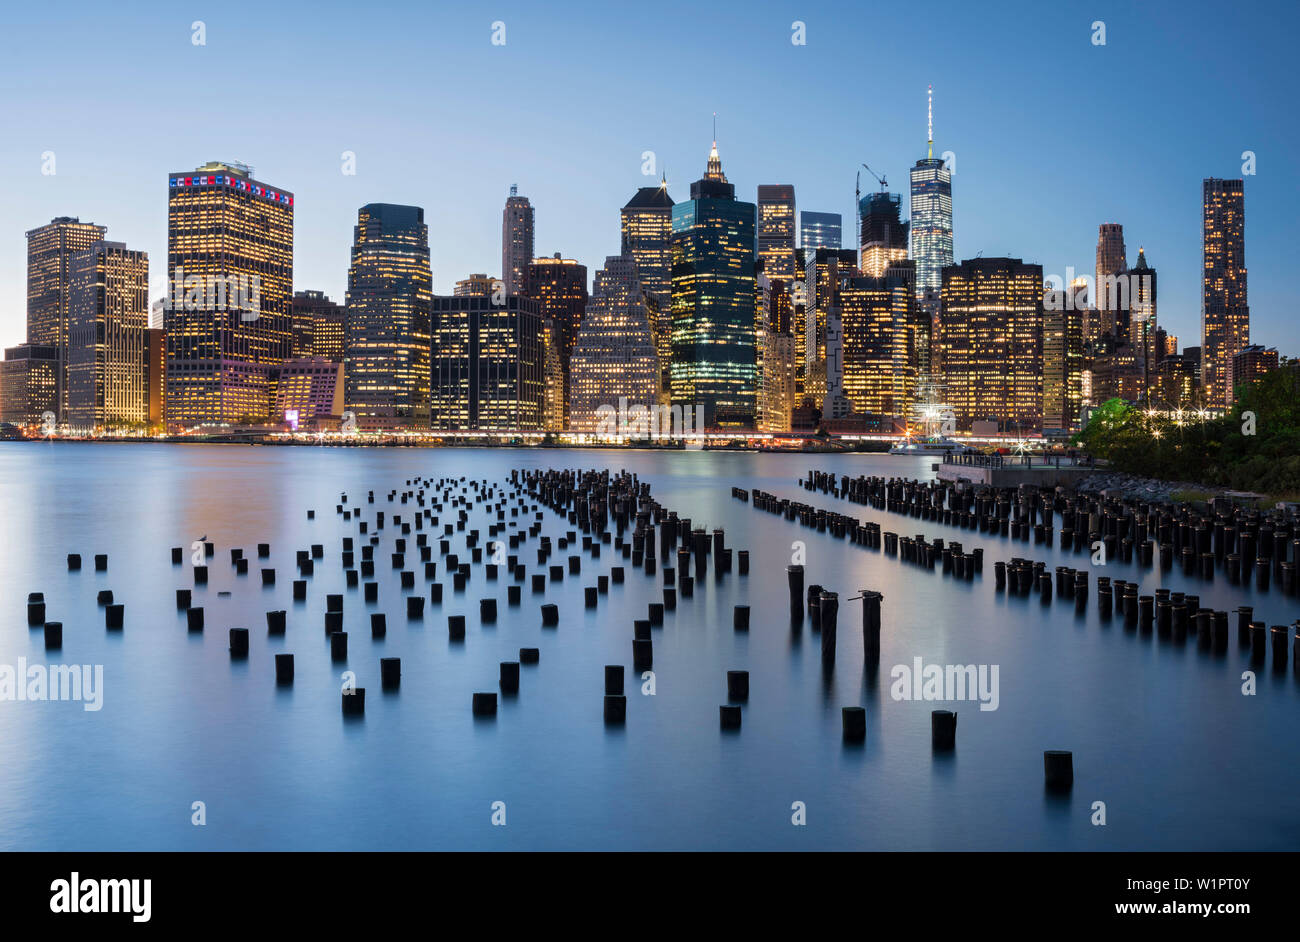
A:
(1052, 134)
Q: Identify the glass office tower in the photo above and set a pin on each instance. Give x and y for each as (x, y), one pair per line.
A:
(714, 362)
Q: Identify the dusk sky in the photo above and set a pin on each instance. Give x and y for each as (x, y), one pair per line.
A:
(1052, 134)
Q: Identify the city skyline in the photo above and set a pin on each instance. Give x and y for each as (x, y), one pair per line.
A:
(1017, 191)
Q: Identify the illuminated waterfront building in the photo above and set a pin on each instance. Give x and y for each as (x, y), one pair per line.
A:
(614, 356)
(820, 230)
(386, 328)
(488, 363)
(931, 218)
(559, 286)
(155, 377)
(308, 393)
(317, 326)
(714, 360)
(776, 230)
(230, 278)
(878, 319)
(31, 382)
(1225, 313)
(882, 233)
(516, 241)
(50, 249)
(108, 314)
(991, 333)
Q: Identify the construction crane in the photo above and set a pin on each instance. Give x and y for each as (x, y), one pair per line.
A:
(857, 184)
(884, 184)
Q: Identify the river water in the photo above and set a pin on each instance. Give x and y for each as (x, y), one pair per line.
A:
(1161, 733)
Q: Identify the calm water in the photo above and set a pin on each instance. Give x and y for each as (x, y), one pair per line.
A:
(1161, 733)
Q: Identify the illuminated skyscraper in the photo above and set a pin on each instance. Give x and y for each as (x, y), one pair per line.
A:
(50, 249)
(317, 326)
(516, 241)
(614, 357)
(488, 363)
(1063, 362)
(931, 218)
(1225, 313)
(776, 230)
(991, 330)
(230, 278)
(882, 234)
(386, 329)
(1112, 301)
(877, 316)
(559, 286)
(553, 392)
(646, 224)
(714, 363)
(820, 230)
(647, 236)
(824, 269)
(107, 320)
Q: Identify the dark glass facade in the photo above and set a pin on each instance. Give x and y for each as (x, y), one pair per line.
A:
(714, 309)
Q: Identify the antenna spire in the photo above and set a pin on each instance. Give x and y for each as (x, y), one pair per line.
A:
(929, 120)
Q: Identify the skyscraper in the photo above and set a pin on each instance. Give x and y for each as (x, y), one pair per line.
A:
(516, 241)
(107, 320)
(878, 321)
(776, 224)
(820, 230)
(50, 249)
(1063, 363)
(317, 326)
(386, 329)
(646, 226)
(230, 277)
(1225, 313)
(488, 361)
(714, 363)
(646, 223)
(991, 327)
(1143, 327)
(614, 356)
(559, 286)
(824, 270)
(554, 394)
(1112, 302)
(931, 217)
(882, 234)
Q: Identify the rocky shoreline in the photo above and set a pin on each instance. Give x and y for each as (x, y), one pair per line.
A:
(1133, 486)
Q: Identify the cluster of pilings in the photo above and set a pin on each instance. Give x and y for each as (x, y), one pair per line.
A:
(947, 557)
(645, 532)
(1245, 545)
(1171, 615)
